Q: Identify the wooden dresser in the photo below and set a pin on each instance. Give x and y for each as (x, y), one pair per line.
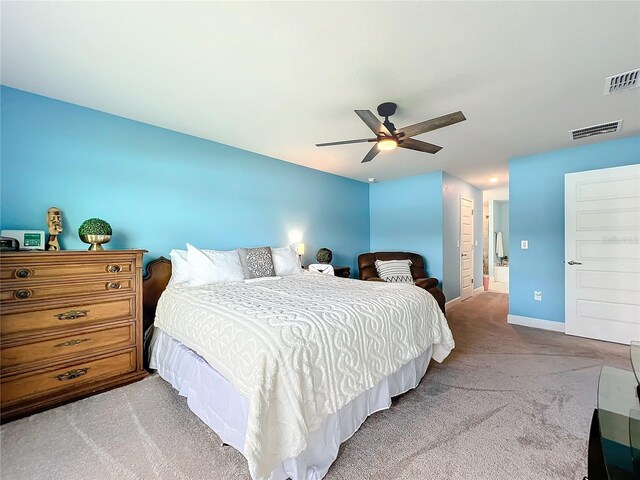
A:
(70, 325)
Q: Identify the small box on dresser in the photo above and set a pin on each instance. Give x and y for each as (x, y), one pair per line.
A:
(70, 326)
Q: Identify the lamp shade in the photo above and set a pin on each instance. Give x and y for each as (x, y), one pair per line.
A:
(300, 248)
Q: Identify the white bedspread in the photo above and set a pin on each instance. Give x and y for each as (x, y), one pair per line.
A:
(301, 347)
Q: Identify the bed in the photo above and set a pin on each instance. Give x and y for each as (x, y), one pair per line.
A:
(285, 370)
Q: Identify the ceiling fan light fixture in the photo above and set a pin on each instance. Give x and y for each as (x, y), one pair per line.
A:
(387, 144)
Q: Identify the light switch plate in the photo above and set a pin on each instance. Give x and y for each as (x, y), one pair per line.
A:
(537, 296)
(524, 244)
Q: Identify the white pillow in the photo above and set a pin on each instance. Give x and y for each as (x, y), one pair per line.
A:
(179, 266)
(395, 271)
(213, 266)
(286, 261)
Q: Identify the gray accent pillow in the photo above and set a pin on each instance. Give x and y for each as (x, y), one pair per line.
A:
(395, 271)
(257, 262)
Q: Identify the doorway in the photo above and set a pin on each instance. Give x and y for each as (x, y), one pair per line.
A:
(496, 239)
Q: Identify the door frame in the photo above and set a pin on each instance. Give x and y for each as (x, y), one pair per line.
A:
(462, 197)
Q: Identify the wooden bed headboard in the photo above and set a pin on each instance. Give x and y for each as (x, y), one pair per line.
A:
(153, 284)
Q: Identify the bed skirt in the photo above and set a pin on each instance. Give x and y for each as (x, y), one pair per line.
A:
(214, 400)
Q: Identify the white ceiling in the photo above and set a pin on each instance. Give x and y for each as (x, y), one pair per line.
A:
(276, 78)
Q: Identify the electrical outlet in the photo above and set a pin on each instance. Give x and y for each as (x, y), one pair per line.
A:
(537, 296)
(524, 244)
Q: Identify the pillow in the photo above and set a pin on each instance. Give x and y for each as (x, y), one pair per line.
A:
(286, 261)
(256, 262)
(179, 267)
(395, 271)
(213, 266)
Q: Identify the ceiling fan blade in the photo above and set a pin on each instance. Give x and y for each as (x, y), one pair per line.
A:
(372, 153)
(433, 124)
(372, 122)
(420, 146)
(345, 142)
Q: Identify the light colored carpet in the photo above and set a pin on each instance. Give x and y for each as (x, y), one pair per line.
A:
(509, 403)
(498, 287)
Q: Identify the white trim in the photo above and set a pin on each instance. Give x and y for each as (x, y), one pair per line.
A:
(535, 323)
(478, 290)
(453, 302)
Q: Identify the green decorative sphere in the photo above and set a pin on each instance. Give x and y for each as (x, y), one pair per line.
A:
(94, 226)
(324, 255)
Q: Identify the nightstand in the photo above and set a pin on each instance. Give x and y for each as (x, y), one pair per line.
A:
(342, 271)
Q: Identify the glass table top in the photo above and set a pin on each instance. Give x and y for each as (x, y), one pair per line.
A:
(619, 418)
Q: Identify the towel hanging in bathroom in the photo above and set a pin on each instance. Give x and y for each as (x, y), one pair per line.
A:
(499, 249)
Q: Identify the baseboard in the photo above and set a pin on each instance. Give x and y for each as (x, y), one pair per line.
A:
(478, 290)
(453, 302)
(535, 323)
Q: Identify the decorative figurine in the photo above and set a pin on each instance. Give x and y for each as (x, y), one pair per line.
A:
(54, 221)
(324, 255)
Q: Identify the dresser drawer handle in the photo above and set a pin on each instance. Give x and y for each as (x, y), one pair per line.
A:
(24, 273)
(72, 343)
(114, 268)
(113, 285)
(71, 374)
(22, 294)
(71, 314)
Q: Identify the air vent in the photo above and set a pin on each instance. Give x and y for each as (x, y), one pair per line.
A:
(621, 82)
(608, 127)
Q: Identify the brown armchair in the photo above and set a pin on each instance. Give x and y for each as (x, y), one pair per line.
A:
(367, 271)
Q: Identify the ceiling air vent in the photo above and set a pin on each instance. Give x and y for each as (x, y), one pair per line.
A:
(608, 127)
(621, 82)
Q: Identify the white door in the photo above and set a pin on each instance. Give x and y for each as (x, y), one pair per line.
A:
(466, 248)
(602, 254)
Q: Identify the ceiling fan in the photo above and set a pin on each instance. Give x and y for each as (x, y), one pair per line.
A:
(388, 137)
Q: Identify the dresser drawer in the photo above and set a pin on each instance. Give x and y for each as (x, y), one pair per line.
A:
(32, 319)
(32, 291)
(30, 271)
(51, 350)
(75, 374)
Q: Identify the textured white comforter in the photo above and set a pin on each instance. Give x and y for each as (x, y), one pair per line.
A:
(301, 347)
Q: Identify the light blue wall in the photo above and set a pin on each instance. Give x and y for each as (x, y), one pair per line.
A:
(406, 215)
(536, 196)
(160, 189)
(422, 214)
(452, 189)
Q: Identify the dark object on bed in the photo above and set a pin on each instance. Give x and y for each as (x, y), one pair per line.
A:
(367, 271)
(154, 283)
